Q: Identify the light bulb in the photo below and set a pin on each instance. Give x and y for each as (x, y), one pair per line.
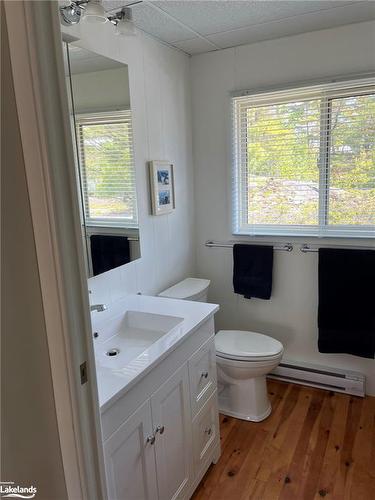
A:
(125, 25)
(94, 12)
(125, 28)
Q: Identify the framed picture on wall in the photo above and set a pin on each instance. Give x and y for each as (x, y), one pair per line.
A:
(162, 187)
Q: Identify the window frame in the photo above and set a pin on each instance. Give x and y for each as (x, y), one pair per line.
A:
(326, 92)
(103, 117)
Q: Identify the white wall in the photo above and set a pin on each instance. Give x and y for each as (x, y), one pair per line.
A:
(160, 98)
(291, 314)
(106, 90)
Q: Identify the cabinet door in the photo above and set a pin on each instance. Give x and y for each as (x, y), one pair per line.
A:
(202, 372)
(130, 459)
(172, 426)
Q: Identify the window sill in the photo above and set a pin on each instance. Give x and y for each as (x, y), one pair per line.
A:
(329, 234)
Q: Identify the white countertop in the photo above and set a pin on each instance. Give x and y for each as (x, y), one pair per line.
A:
(114, 383)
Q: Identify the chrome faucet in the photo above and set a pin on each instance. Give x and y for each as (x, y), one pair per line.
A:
(98, 307)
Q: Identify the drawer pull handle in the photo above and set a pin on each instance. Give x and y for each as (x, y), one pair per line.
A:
(204, 375)
(208, 431)
(151, 439)
(160, 428)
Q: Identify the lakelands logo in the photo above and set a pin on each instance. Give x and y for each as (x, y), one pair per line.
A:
(8, 489)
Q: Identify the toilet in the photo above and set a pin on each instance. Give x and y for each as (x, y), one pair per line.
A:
(243, 359)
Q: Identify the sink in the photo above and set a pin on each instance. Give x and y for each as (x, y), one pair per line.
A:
(130, 335)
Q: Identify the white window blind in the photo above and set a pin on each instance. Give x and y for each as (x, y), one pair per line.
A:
(105, 142)
(304, 161)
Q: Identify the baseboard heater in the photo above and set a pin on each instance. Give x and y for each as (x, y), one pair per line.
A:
(331, 379)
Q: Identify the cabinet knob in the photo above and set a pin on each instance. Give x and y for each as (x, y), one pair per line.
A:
(160, 428)
(151, 439)
(208, 431)
(204, 375)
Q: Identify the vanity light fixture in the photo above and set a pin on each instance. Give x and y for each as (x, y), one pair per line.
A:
(92, 11)
(123, 21)
(70, 14)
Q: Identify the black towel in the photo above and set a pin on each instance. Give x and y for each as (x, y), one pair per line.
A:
(346, 316)
(252, 270)
(108, 252)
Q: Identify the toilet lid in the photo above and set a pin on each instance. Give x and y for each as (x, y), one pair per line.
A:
(186, 289)
(242, 344)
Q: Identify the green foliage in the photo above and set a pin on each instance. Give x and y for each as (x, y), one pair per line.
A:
(283, 156)
(107, 157)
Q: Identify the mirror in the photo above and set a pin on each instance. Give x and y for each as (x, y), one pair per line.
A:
(101, 118)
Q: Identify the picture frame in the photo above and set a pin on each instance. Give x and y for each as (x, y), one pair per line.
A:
(162, 187)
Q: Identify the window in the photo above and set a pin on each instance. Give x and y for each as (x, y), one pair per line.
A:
(105, 143)
(305, 161)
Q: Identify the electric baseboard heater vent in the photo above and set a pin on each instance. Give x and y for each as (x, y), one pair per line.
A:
(331, 379)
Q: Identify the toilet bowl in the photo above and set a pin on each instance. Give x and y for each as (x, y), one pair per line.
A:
(243, 360)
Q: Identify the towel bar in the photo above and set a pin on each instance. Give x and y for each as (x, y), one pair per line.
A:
(288, 247)
(307, 249)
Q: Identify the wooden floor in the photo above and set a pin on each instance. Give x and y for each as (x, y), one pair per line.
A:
(315, 444)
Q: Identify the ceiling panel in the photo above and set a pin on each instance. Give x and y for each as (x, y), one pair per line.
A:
(209, 17)
(288, 27)
(114, 4)
(194, 46)
(154, 22)
(191, 25)
(85, 61)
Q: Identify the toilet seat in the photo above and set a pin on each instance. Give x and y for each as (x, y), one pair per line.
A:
(248, 359)
(246, 346)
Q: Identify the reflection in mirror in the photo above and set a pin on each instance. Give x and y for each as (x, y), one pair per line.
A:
(102, 122)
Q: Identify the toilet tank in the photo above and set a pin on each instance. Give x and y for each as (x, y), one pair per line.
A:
(189, 289)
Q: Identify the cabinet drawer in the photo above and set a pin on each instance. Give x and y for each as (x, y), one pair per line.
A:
(202, 374)
(205, 432)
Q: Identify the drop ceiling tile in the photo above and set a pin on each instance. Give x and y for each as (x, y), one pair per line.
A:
(157, 24)
(288, 27)
(85, 61)
(194, 46)
(228, 23)
(114, 4)
(207, 17)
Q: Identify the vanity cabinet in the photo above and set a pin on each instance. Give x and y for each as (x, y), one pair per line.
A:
(129, 458)
(154, 442)
(163, 448)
